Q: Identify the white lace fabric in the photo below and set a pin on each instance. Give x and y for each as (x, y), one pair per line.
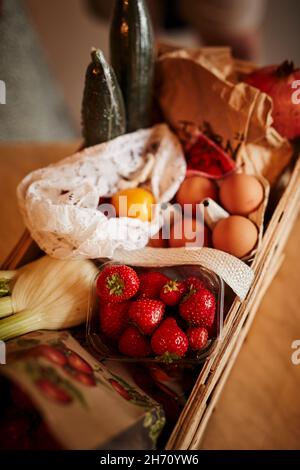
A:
(59, 203)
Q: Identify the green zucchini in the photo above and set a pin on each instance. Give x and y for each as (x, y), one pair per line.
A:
(132, 57)
(103, 111)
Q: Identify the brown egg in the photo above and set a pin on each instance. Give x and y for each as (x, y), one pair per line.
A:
(235, 235)
(157, 241)
(194, 189)
(184, 233)
(241, 194)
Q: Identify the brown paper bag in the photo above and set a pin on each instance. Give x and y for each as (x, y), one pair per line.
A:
(201, 90)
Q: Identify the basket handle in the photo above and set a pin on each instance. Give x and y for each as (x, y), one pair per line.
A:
(237, 274)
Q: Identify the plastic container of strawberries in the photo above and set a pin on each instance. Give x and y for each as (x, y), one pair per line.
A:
(104, 348)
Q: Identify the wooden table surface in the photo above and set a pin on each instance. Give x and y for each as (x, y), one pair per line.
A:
(260, 404)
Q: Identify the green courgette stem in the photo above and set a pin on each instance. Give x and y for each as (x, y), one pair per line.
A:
(19, 324)
(97, 57)
(6, 307)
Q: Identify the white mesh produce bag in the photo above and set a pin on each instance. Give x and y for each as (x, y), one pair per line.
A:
(59, 203)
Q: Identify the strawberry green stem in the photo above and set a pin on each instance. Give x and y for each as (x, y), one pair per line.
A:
(168, 357)
(115, 284)
(171, 286)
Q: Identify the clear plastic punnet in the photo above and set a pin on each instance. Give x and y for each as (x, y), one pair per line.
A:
(105, 348)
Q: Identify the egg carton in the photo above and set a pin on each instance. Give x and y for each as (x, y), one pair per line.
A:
(213, 213)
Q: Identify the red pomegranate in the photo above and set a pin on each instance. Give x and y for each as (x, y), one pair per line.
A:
(279, 82)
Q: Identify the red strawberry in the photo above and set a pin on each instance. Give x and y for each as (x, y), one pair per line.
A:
(151, 284)
(132, 343)
(172, 292)
(169, 340)
(146, 314)
(197, 338)
(198, 308)
(113, 318)
(117, 283)
(193, 283)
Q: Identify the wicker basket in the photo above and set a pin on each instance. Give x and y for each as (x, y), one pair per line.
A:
(191, 425)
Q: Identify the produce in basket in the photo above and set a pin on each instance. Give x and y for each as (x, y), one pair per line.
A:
(6, 278)
(132, 343)
(172, 292)
(189, 232)
(117, 283)
(151, 284)
(280, 82)
(134, 202)
(236, 235)
(194, 190)
(169, 340)
(206, 94)
(103, 113)
(197, 337)
(47, 294)
(241, 194)
(132, 57)
(179, 304)
(60, 203)
(146, 314)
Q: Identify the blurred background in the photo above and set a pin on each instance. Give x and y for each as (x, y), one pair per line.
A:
(44, 50)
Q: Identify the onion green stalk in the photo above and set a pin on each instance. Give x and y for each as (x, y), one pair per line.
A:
(7, 275)
(4, 287)
(48, 294)
(6, 307)
(6, 278)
